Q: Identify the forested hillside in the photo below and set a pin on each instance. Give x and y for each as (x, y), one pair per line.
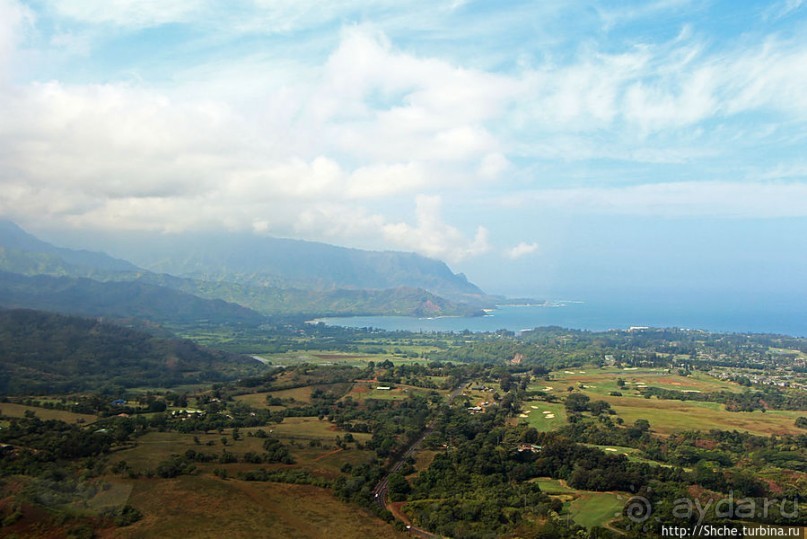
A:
(50, 353)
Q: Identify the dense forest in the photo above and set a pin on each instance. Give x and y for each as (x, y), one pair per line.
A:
(43, 353)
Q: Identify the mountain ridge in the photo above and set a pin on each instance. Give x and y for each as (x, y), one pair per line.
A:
(327, 282)
(290, 263)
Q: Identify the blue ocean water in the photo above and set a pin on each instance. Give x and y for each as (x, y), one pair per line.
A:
(789, 317)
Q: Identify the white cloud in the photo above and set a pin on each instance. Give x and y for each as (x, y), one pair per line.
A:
(14, 17)
(429, 235)
(300, 145)
(432, 237)
(520, 250)
(128, 13)
(383, 180)
(779, 10)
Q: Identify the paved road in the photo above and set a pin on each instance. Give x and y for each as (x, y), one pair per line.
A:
(382, 488)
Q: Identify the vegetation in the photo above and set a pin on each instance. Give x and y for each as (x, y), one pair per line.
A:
(44, 353)
(548, 434)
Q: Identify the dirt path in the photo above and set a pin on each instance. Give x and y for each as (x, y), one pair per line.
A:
(328, 454)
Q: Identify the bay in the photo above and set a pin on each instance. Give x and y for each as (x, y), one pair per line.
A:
(788, 318)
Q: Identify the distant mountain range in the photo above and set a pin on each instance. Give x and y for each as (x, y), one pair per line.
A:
(224, 279)
(284, 263)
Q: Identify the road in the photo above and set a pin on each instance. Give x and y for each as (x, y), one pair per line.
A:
(382, 488)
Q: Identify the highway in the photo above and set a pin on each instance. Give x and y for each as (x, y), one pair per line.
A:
(381, 490)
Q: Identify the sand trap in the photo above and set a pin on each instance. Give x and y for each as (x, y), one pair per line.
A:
(550, 416)
(610, 449)
(547, 412)
(548, 388)
(523, 415)
(568, 372)
(581, 372)
(534, 407)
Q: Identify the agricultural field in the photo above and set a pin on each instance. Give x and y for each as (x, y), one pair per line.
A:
(19, 410)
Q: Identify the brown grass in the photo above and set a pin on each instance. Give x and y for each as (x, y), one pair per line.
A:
(207, 507)
(18, 410)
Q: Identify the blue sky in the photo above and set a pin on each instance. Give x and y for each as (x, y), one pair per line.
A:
(549, 148)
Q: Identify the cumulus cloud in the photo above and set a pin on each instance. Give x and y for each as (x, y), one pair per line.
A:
(433, 237)
(320, 146)
(520, 250)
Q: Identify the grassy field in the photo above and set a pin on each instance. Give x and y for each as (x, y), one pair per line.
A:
(534, 410)
(423, 459)
(18, 410)
(326, 358)
(587, 508)
(324, 459)
(306, 428)
(665, 416)
(553, 486)
(668, 416)
(207, 507)
(596, 508)
(366, 390)
(299, 395)
(604, 381)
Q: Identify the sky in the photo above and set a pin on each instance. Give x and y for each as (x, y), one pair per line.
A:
(552, 148)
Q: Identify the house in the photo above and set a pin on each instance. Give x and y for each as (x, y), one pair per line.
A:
(532, 448)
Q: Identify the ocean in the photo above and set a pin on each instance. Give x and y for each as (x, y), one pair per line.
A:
(783, 317)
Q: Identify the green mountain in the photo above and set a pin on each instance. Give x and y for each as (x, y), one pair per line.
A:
(118, 299)
(285, 263)
(271, 300)
(49, 353)
(270, 276)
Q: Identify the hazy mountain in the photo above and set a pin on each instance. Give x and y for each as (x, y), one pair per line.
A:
(270, 300)
(21, 252)
(268, 275)
(50, 353)
(285, 263)
(118, 299)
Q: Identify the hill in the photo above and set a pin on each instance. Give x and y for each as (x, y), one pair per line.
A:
(49, 353)
(118, 299)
